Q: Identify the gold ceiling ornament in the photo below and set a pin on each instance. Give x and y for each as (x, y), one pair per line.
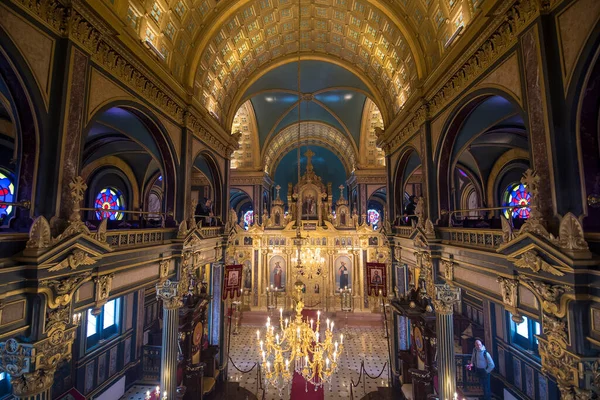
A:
(299, 347)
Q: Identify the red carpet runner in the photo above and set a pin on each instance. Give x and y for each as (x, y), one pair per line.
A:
(298, 391)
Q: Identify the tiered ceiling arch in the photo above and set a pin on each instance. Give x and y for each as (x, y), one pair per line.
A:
(311, 133)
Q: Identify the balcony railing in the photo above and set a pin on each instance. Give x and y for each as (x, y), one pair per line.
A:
(488, 238)
(139, 237)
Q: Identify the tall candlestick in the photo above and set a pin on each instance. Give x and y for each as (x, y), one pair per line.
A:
(311, 324)
(281, 313)
(257, 334)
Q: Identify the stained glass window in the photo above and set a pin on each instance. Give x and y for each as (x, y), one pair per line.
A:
(248, 219)
(109, 199)
(7, 194)
(374, 217)
(517, 195)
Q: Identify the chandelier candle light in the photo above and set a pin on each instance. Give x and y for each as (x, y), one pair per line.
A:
(299, 346)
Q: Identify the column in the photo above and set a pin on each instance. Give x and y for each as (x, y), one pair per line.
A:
(445, 298)
(168, 293)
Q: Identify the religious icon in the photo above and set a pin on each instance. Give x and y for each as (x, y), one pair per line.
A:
(309, 203)
(343, 217)
(316, 288)
(343, 241)
(277, 218)
(343, 271)
(375, 277)
(233, 278)
(247, 274)
(277, 268)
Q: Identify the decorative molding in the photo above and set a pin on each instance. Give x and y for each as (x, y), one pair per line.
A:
(103, 287)
(445, 298)
(531, 260)
(74, 260)
(168, 292)
(51, 13)
(570, 234)
(63, 289)
(549, 295)
(163, 269)
(509, 288)
(448, 270)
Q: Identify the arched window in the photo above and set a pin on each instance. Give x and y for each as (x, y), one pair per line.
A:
(374, 217)
(248, 219)
(517, 195)
(7, 194)
(109, 199)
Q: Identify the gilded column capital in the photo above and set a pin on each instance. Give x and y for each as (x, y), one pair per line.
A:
(168, 292)
(509, 288)
(445, 298)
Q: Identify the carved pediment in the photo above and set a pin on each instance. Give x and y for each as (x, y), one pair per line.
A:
(76, 253)
(419, 238)
(534, 254)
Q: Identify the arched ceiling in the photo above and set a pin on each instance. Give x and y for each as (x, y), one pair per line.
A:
(220, 47)
(311, 133)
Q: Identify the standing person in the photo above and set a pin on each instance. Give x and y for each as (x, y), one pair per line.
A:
(482, 361)
(409, 210)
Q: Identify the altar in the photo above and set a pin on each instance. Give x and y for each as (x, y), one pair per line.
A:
(336, 241)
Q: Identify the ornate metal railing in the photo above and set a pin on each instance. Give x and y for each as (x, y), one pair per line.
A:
(488, 238)
(138, 237)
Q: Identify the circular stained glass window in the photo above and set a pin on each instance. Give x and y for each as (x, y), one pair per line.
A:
(7, 194)
(248, 219)
(517, 195)
(110, 200)
(373, 216)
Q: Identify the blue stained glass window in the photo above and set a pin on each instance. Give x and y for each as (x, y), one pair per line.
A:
(7, 194)
(111, 200)
(517, 195)
(374, 217)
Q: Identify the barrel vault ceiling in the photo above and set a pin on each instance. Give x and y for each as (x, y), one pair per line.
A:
(361, 61)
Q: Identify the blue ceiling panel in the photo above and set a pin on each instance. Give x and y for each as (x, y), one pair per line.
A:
(488, 112)
(127, 123)
(315, 75)
(348, 105)
(326, 165)
(268, 108)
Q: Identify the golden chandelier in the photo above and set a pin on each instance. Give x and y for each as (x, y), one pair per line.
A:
(308, 261)
(299, 346)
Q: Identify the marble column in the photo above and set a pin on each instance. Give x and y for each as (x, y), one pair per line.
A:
(168, 292)
(445, 298)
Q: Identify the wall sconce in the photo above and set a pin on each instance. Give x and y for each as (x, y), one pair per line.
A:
(77, 319)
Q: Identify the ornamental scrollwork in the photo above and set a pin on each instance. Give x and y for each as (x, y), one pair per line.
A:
(15, 357)
(103, 288)
(445, 298)
(32, 383)
(448, 270)
(570, 234)
(509, 289)
(63, 289)
(168, 292)
(531, 260)
(550, 295)
(73, 261)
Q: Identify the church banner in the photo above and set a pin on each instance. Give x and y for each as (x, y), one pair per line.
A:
(376, 279)
(232, 283)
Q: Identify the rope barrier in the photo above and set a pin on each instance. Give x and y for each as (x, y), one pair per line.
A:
(243, 372)
(364, 371)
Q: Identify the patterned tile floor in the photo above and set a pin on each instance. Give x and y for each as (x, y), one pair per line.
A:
(366, 344)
